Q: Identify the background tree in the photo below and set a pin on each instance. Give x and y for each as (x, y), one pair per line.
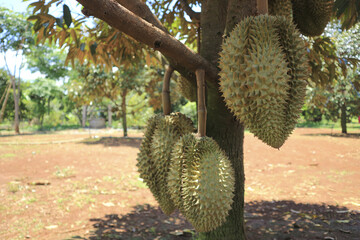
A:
(15, 35)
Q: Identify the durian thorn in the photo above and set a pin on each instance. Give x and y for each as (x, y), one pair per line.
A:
(166, 91)
(200, 80)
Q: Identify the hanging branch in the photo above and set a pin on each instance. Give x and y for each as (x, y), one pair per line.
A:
(200, 79)
(166, 91)
(126, 21)
(262, 6)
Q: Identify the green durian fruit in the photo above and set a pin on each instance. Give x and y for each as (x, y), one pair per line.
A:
(168, 132)
(280, 8)
(295, 51)
(145, 164)
(254, 78)
(187, 89)
(201, 182)
(312, 16)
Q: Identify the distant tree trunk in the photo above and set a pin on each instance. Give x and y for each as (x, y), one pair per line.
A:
(48, 105)
(343, 118)
(84, 114)
(4, 103)
(16, 103)
(123, 111)
(109, 115)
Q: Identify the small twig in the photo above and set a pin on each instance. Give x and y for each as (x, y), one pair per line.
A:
(200, 79)
(166, 91)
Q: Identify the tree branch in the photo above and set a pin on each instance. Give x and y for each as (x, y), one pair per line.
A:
(124, 20)
(142, 10)
(195, 16)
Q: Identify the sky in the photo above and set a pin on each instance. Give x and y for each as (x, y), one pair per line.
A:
(20, 6)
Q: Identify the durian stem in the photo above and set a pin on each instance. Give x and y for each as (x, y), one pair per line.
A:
(166, 91)
(200, 79)
(262, 6)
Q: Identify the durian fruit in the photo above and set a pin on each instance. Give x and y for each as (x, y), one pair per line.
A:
(295, 51)
(254, 78)
(201, 182)
(145, 163)
(312, 16)
(187, 89)
(167, 133)
(280, 8)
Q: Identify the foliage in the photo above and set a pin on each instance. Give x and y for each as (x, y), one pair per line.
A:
(48, 60)
(41, 92)
(15, 31)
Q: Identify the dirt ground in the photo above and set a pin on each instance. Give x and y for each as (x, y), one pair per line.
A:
(84, 185)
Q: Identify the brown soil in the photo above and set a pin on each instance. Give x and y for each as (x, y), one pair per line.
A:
(81, 185)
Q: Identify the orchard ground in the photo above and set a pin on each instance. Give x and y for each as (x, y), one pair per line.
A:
(81, 184)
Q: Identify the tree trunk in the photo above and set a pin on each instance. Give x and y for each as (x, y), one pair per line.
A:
(84, 114)
(4, 103)
(109, 116)
(16, 103)
(123, 111)
(216, 17)
(343, 118)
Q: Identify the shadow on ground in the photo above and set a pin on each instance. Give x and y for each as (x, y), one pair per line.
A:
(338, 135)
(114, 141)
(280, 220)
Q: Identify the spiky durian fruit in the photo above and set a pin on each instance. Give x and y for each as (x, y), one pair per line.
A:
(201, 182)
(295, 51)
(280, 8)
(146, 165)
(168, 131)
(187, 89)
(254, 79)
(312, 16)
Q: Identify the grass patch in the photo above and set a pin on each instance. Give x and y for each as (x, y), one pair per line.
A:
(13, 187)
(66, 172)
(8, 155)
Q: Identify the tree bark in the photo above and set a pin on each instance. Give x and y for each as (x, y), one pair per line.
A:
(84, 114)
(109, 116)
(16, 103)
(123, 112)
(4, 103)
(343, 118)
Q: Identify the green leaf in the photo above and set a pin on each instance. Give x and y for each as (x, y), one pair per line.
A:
(67, 15)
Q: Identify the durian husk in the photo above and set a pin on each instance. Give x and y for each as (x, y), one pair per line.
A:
(145, 162)
(168, 132)
(295, 51)
(312, 16)
(280, 8)
(201, 182)
(187, 89)
(254, 79)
